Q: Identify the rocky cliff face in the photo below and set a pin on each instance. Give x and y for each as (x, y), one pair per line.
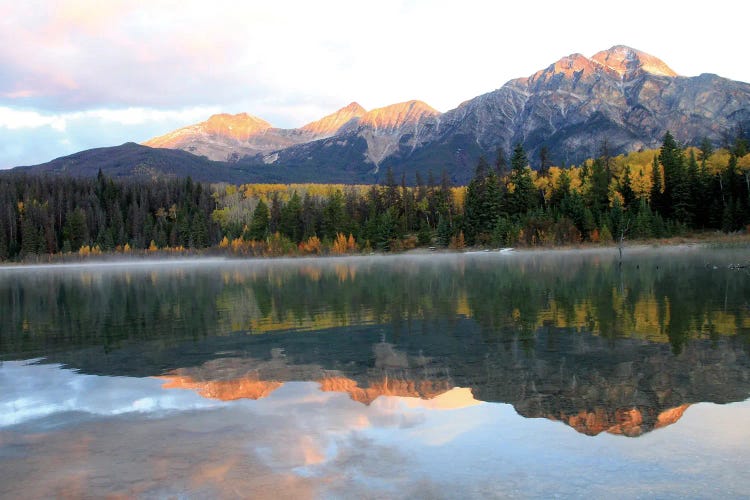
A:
(621, 95)
(225, 137)
(331, 124)
(218, 137)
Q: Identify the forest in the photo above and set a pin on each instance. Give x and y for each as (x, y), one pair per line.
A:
(672, 191)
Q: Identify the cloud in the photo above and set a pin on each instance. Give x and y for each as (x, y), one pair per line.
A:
(290, 62)
(75, 54)
(17, 119)
(29, 137)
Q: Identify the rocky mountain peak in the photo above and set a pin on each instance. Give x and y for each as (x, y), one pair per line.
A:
(329, 125)
(627, 61)
(568, 67)
(396, 116)
(239, 127)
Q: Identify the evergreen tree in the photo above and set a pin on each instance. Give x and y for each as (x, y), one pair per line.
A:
(29, 236)
(545, 162)
(674, 191)
(626, 189)
(444, 231)
(199, 231)
(706, 150)
(334, 216)
(290, 224)
(309, 217)
(274, 217)
(76, 230)
(501, 164)
(258, 229)
(386, 231)
(657, 197)
(523, 197)
(391, 196)
(561, 189)
(482, 204)
(598, 194)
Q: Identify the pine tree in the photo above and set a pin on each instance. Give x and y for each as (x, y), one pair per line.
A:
(76, 230)
(199, 231)
(674, 191)
(657, 197)
(274, 214)
(598, 194)
(334, 216)
(626, 189)
(258, 229)
(290, 224)
(444, 231)
(391, 196)
(523, 197)
(484, 199)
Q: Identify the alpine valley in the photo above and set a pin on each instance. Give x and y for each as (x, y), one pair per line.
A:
(622, 97)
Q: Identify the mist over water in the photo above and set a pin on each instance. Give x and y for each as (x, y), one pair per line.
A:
(431, 375)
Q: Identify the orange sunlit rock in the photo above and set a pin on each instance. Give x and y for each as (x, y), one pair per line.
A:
(567, 66)
(329, 125)
(397, 115)
(224, 390)
(626, 61)
(627, 422)
(618, 61)
(424, 389)
(239, 127)
(668, 417)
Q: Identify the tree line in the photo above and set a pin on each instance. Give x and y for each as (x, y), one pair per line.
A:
(505, 204)
(49, 215)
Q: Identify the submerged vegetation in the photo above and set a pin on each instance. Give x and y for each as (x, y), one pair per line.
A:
(649, 194)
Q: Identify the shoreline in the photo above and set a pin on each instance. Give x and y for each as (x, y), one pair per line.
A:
(211, 255)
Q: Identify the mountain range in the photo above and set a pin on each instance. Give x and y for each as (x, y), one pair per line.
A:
(622, 96)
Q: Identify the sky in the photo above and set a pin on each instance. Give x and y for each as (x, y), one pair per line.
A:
(79, 74)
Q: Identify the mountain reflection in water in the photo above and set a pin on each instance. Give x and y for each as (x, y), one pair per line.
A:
(309, 372)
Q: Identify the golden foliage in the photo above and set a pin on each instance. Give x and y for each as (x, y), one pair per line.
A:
(457, 242)
(343, 245)
(311, 246)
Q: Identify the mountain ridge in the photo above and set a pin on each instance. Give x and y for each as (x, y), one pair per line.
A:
(621, 95)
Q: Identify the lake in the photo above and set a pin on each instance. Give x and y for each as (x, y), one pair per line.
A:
(477, 375)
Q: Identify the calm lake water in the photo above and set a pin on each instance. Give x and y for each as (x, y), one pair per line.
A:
(433, 376)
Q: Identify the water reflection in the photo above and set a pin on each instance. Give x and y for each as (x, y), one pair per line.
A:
(573, 337)
(302, 442)
(657, 296)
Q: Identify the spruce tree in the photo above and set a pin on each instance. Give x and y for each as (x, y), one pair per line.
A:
(258, 229)
(290, 224)
(626, 189)
(657, 198)
(523, 197)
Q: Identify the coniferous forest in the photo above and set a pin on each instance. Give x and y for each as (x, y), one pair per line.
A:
(651, 194)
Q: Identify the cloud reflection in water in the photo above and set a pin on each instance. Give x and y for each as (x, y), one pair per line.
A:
(140, 439)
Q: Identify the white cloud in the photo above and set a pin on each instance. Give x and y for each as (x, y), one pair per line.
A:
(17, 119)
(291, 62)
(29, 137)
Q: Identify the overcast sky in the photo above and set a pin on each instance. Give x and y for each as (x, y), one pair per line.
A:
(80, 74)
